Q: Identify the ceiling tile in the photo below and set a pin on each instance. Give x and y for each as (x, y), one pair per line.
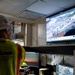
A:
(29, 15)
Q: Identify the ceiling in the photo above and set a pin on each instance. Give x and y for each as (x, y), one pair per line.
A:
(32, 10)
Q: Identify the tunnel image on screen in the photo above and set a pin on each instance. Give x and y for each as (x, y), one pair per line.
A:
(58, 25)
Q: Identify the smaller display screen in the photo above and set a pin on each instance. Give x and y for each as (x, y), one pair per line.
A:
(32, 59)
(64, 70)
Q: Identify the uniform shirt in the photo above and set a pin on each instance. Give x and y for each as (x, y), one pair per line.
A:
(11, 57)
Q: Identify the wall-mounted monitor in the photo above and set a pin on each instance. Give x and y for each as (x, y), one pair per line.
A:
(61, 27)
(64, 70)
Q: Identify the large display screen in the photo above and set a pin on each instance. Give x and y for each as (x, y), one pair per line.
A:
(64, 70)
(61, 27)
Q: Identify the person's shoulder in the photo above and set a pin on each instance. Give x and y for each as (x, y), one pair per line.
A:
(13, 44)
(5, 40)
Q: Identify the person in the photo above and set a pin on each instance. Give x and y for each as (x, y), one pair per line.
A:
(11, 54)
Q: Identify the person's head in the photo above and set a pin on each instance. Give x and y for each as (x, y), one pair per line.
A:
(5, 28)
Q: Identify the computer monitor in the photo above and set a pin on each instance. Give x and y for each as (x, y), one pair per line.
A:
(64, 70)
(32, 59)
